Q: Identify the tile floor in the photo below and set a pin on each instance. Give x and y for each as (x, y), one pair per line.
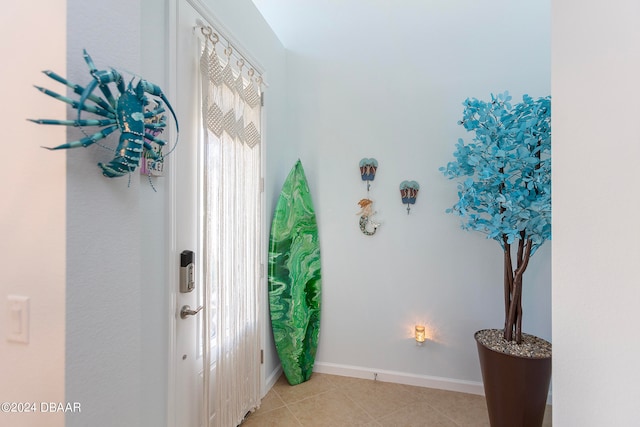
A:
(334, 401)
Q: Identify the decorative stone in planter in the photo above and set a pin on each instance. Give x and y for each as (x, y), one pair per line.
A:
(516, 378)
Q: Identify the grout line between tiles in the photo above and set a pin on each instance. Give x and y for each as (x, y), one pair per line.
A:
(374, 419)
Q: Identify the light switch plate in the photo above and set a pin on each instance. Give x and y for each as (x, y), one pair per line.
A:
(18, 319)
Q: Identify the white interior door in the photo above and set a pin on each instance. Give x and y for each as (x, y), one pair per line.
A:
(185, 201)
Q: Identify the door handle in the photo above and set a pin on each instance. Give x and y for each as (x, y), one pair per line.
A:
(186, 311)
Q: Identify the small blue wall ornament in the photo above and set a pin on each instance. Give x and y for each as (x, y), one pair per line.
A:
(368, 168)
(128, 111)
(409, 193)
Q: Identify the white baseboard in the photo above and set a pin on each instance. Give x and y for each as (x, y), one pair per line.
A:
(272, 379)
(400, 378)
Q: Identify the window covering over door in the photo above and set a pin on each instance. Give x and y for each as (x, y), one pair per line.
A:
(231, 112)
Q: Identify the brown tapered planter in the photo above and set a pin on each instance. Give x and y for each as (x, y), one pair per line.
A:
(515, 387)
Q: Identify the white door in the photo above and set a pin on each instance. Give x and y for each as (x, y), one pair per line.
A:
(190, 357)
(195, 369)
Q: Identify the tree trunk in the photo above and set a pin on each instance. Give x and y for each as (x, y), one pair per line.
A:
(513, 319)
(508, 282)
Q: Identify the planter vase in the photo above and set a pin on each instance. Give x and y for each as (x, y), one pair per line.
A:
(515, 387)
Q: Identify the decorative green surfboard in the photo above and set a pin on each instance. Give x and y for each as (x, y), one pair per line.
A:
(295, 278)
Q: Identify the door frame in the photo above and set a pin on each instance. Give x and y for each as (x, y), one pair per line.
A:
(170, 209)
(171, 269)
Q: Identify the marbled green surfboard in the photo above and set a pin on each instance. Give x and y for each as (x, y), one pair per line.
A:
(295, 278)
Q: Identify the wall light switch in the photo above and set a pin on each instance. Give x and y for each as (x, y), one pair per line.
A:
(18, 319)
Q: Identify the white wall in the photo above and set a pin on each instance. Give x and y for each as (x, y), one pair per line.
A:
(366, 79)
(104, 242)
(596, 64)
(32, 216)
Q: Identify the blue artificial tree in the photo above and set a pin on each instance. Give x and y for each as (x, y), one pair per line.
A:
(505, 185)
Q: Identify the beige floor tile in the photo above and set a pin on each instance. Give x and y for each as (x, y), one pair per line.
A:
(467, 410)
(271, 401)
(335, 401)
(416, 415)
(380, 398)
(319, 383)
(281, 417)
(330, 409)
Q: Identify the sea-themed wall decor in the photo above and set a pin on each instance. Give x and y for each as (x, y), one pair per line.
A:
(367, 226)
(128, 111)
(408, 193)
(368, 168)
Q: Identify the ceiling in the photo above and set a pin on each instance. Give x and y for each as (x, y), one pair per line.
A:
(299, 21)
